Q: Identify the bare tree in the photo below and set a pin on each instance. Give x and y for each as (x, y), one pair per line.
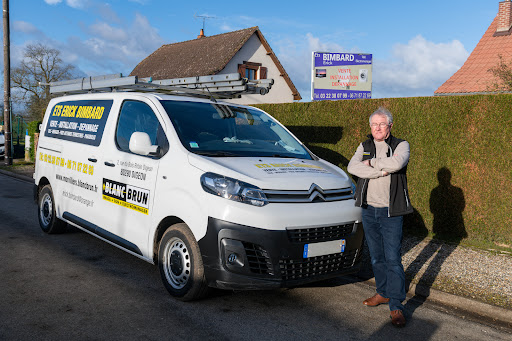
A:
(40, 64)
(502, 73)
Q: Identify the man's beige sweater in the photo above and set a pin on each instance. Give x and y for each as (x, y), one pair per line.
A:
(378, 186)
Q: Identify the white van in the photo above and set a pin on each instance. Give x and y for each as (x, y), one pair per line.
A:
(218, 195)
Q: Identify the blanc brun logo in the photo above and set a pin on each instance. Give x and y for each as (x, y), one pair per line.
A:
(125, 195)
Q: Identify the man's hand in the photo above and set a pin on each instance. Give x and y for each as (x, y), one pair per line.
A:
(368, 163)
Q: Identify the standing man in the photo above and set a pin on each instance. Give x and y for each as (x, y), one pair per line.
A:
(380, 163)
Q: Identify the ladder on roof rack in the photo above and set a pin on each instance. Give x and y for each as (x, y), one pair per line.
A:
(230, 85)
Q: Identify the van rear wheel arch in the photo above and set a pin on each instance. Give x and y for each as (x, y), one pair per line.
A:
(47, 213)
(42, 182)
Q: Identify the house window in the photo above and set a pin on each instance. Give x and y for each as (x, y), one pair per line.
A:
(252, 70)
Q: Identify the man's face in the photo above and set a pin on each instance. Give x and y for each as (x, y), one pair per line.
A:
(380, 127)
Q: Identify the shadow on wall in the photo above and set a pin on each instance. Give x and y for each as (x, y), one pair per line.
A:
(314, 134)
(446, 204)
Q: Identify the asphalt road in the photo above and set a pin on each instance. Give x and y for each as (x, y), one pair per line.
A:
(76, 287)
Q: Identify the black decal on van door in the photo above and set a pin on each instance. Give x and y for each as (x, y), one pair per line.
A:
(79, 121)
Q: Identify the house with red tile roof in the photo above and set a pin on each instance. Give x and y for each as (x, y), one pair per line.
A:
(474, 76)
(245, 51)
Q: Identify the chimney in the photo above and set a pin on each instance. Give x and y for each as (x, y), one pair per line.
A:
(201, 34)
(504, 16)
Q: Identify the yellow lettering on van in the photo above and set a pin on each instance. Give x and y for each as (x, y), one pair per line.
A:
(85, 168)
(57, 110)
(74, 165)
(281, 165)
(79, 168)
(91, 170)
(307, 166)
(90, 112)
(69, 111)
(262, 165)
(69, 164)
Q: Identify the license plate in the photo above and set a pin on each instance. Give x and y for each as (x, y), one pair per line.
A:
(324, 248)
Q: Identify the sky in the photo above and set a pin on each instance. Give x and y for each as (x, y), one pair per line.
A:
(416, 45)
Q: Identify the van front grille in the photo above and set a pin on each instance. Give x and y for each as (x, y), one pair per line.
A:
(314, 194)
(320, 234)
(293, 269)
(258, 258)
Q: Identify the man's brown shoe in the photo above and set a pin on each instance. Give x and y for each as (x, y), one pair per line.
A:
(375, 300)
(397, 318)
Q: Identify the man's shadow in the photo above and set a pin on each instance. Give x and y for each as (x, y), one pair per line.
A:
(446, 204)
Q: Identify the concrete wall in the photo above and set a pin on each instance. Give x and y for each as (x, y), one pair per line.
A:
(254, 51)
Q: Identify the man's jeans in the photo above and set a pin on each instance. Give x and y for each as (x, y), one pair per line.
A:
(384, 238)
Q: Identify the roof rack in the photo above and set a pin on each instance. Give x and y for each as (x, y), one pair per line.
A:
(230, 85)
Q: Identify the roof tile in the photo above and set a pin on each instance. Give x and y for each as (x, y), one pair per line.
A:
(474, 75)
(198, 57)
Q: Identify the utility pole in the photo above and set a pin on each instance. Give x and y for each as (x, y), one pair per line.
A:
(7, 85)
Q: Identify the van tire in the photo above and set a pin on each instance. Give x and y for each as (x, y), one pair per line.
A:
(181, 264)
(46, 213)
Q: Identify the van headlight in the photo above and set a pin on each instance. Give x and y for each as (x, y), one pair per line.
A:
(233, 189)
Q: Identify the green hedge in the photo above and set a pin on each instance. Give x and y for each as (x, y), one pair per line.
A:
(466, 137)
(33, 127)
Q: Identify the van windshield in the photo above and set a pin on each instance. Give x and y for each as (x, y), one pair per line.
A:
(220, 130)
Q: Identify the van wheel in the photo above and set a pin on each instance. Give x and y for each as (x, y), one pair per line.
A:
(46, 212)
(181, 265)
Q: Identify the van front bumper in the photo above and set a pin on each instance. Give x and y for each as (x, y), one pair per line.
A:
(243, 257)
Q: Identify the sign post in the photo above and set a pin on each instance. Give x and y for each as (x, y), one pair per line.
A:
(341, 76)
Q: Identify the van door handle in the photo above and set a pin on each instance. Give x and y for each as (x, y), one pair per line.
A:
(110, 164)
(92, 159)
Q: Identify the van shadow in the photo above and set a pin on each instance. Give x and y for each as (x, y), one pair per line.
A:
(446, 204)
(314, 134)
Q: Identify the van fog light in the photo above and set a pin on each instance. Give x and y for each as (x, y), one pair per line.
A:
(233, 189)
(232, 258)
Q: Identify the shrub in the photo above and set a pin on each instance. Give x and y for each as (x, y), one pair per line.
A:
(468, 136)
(33, 127)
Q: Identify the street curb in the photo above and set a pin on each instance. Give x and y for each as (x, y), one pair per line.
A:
(469, 308)
(16, 175)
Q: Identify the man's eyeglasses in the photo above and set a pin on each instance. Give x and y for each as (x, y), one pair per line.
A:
(382, 125)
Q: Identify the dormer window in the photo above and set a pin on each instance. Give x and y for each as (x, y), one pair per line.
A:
(252, 70)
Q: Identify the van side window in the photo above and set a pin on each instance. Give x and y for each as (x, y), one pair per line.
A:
(139, 117)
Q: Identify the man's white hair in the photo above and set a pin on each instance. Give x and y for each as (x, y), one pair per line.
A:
(383, 112)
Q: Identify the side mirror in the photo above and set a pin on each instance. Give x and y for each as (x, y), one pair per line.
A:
(141, 144)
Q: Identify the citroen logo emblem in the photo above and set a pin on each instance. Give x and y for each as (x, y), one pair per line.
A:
(316, 192)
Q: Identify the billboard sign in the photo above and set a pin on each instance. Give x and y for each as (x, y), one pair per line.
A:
(341, 76)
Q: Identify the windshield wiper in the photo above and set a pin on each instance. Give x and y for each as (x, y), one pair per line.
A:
(285, 156)
(217, 153)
